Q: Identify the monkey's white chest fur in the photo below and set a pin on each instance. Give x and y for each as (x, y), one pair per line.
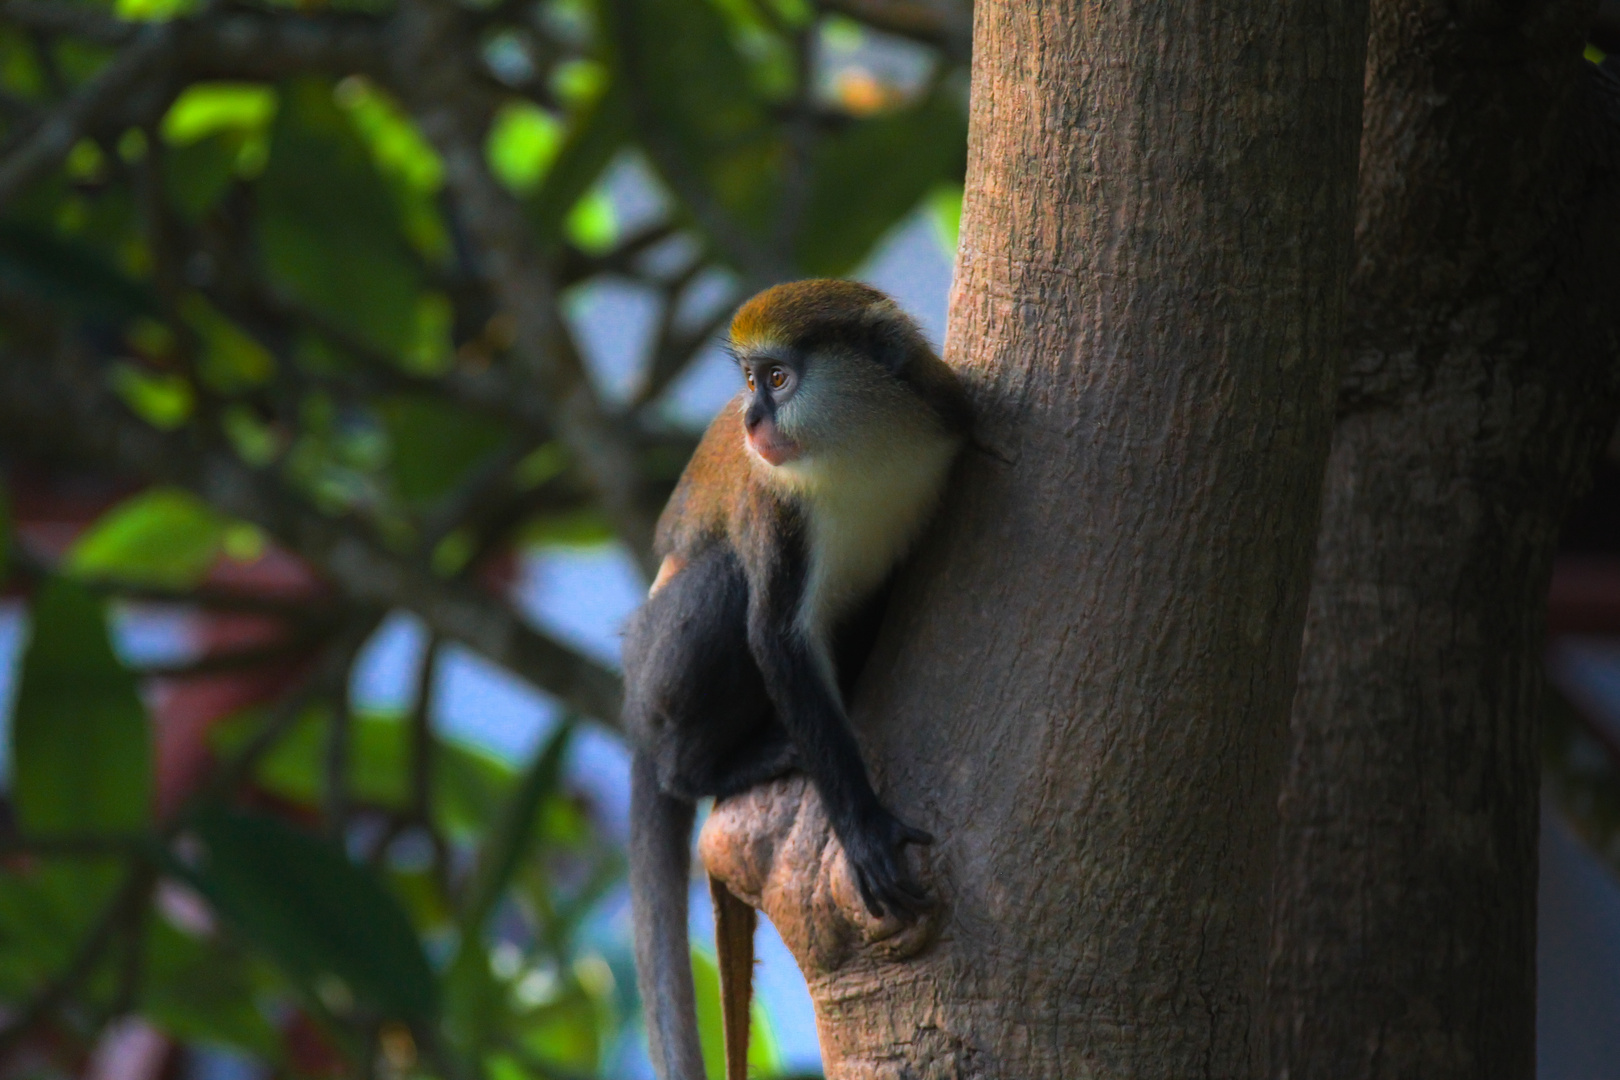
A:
(867, 509)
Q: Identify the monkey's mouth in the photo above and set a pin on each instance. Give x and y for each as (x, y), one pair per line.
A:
(767, 440)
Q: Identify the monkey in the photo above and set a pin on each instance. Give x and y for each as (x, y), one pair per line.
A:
(776, 549)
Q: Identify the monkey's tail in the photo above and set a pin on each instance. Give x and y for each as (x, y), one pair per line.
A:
(660, 868)
(734, 947)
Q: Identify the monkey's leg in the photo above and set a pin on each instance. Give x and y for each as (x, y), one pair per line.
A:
(734, 950)
(771, 756)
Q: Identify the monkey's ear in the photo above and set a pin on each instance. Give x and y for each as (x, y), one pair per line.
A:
(891, 335)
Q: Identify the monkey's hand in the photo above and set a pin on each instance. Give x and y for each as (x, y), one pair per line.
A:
(877, 855)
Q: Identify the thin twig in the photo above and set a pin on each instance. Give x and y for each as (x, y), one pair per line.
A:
(243, 659)
(74, 20)
(131, 895)
(335, 762)
(47, 404)
(945, 24)
(433, 80)
(331, 670)
(49, 144)
(423, 743)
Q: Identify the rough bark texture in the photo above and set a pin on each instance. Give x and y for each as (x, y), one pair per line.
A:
(1480, 381)
(1084, 683)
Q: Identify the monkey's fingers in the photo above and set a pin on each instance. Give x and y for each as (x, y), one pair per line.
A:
(886, 886)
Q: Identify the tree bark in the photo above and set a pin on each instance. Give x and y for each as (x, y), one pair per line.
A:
(1480, 381)
(1083, 685)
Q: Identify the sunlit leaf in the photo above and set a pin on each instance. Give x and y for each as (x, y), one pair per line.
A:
(155, 10)
(523, 142)
(711, 1032)
(163, 400)
(566, 1033)
(945, 208)
(318, 915)
(81, 759)
(476, 1004)
(163, 536)
(594, 136)
(208, 108)
(405, 159)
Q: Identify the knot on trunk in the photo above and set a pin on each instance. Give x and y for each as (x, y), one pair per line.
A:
(774, 848)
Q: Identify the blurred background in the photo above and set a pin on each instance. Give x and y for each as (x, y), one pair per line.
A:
(347, 353)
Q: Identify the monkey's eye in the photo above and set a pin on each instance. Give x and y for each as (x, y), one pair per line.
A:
(778, 378)
(748, 376)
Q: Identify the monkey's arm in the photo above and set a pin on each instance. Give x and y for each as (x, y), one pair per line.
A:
(808, 706)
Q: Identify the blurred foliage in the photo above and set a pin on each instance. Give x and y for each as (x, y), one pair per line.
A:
(269, 260)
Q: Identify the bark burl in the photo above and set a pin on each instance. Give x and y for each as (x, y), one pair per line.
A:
(1083, 685)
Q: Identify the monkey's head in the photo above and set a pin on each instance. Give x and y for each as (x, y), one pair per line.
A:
(825, 363)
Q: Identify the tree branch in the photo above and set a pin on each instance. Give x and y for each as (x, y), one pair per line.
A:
(46, 147)
(62, 404)
(943, 24)
(129, 899)
(431, 76)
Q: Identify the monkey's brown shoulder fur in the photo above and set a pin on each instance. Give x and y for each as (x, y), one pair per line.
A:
(707, 503)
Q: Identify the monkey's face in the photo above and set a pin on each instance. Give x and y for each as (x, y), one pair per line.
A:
(773, 381)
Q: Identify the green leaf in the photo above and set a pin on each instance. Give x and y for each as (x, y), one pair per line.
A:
(435, 444)
(209, 108)
(80, 750)
(405, 159)
(67, 274)
(698, 94)
(470, 786)
(318, 915)
(196, 174)
(163, 400)
(871, 175)
(511, 839)
(331, 233)
(201, 990)
(231, 360)
(163, 537)
(945, 207)
(45, 912)
(762, 1056)
(566, 1033)
(523, 142)
(593, 138)
(476, 1004)
(711, 1031)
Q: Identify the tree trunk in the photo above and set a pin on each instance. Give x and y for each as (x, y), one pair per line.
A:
(1480, 381)
(1083, 686)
